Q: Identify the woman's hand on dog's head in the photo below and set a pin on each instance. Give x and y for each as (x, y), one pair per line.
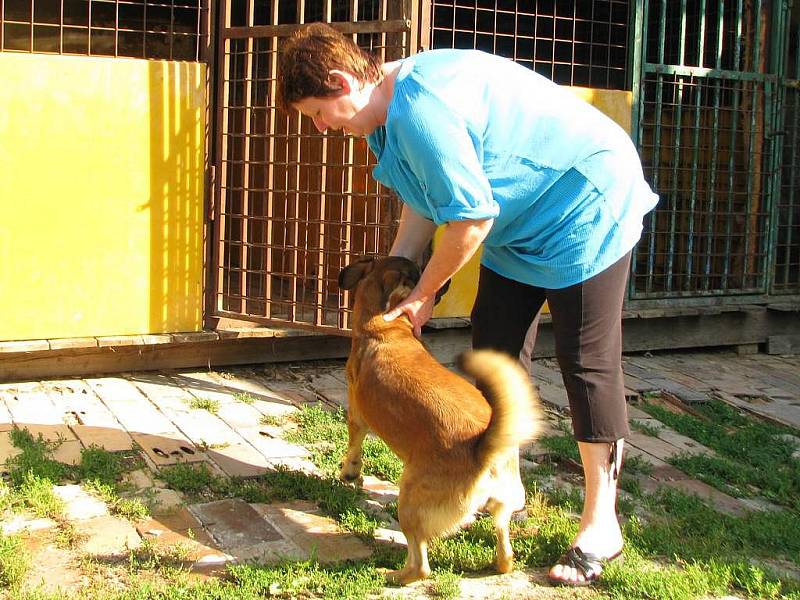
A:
(417, 307)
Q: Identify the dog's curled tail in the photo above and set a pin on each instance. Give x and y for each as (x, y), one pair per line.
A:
(516, 412)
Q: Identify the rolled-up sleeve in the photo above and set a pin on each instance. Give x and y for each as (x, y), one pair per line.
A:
(445, 156)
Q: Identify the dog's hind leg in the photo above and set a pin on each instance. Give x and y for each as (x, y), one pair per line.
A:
(501, 515)
(412, 513)
(351, 464)
(416, 566)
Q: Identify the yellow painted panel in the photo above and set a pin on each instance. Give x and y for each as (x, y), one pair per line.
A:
(101, 190)
(457, 302)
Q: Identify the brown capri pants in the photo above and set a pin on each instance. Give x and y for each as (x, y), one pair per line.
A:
(587, 325)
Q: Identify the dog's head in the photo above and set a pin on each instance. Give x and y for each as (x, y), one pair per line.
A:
(380, 283)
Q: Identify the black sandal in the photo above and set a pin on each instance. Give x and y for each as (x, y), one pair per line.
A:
(587, 564)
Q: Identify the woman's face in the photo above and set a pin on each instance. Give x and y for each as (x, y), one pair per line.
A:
(330, 112)
(345, 111)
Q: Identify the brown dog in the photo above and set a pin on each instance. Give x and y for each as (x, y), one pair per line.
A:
(459, 447)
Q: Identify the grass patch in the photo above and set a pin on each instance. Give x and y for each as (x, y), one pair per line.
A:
(307, 579)
(188, 478)
(561, 446)
(37, 495)
(644, 427)
(337, 500)
(35, 458)
(33, 473)
(100, 465)
(445, 585)
(287, 581)
(132, 509)
(14, 560)
(640, 578)
(684, 526)
(272, 420)
(324, 433)
(636, 465)
(753, 457)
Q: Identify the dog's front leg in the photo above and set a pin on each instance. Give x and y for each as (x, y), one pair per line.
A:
(351, 465)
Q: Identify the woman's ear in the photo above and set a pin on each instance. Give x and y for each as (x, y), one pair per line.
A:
(345, 81)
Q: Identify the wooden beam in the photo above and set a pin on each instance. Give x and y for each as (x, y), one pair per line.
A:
(658, 331)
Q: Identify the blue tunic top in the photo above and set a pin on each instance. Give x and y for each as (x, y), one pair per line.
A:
(469, 135)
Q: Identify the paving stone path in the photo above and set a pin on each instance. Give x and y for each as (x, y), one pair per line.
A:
(163, 412)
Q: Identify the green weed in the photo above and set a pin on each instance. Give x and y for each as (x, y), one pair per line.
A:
(128, 508)
(272, 420)
(14, 560)
(37, 495)
(244, 397)
(561, 446)
(208, 404)
(188, 478)
(307, 579)
(100, 465)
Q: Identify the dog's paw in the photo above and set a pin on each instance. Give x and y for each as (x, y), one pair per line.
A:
(351, 477)
(504, 564)
(351, 473)
(357, 481)
(405, 576)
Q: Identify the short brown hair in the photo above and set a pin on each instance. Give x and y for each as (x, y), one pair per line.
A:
(308, 57)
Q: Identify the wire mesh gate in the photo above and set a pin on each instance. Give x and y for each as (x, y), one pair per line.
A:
(787, 254)
(708, 125)
(291, 205)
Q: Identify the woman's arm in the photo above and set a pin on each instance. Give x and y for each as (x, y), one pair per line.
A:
(458, 243)
(413, 234)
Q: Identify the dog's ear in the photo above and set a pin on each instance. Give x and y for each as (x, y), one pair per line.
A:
(398, 283)
(355, 272)
(395, 288)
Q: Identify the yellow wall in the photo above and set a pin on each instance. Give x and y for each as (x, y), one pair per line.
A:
(101, 191)
(457, 302)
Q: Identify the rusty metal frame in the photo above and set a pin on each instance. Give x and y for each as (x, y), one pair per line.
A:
(290, 206)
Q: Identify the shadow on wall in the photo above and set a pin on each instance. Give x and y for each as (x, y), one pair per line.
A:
(177, 131)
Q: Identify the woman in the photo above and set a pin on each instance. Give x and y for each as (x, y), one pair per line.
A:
(551, 187)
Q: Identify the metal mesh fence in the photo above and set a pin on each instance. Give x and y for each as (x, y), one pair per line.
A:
(154, 29)
(787, 255)
(703, 147)
(704, 135)
(574, 43)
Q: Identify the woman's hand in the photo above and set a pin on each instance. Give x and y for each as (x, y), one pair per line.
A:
(417, 307)
(458, 243)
